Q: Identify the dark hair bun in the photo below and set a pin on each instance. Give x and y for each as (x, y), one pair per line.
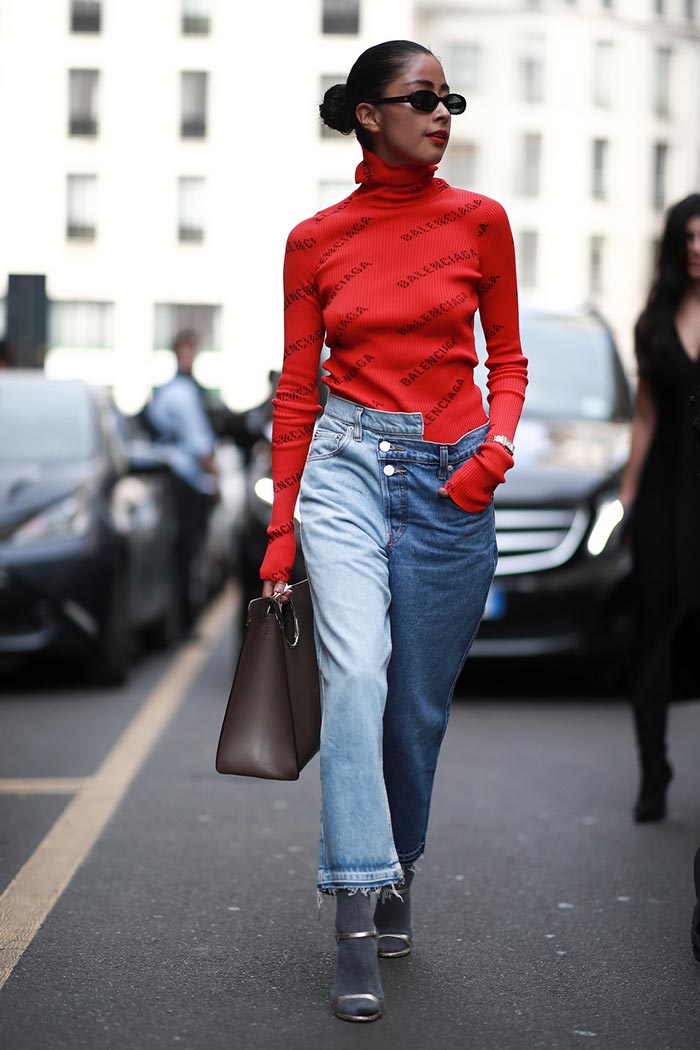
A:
(336, 110)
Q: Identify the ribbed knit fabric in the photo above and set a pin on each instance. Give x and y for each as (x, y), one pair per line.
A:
(391, 278)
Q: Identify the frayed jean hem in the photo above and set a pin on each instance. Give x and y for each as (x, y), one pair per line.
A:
(362, 881)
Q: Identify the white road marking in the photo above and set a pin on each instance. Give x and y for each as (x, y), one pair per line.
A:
(43, 785)
(31, 895)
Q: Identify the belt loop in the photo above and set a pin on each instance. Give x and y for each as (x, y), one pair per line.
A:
(444, 459)
(358, 423)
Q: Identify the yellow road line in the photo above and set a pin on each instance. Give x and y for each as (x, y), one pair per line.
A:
(43, 785)
(35, 889)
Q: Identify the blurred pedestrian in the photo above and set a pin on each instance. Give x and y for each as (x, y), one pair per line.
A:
(8, 355)
(396, 508)
(177, 414)
(661, 487)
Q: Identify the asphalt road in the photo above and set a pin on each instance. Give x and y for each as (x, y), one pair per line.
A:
(544, 917)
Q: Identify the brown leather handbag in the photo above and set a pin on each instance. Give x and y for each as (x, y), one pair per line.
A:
(272, 725)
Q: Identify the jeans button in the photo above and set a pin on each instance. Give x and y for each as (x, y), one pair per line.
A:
(388, 470)
(384, 446)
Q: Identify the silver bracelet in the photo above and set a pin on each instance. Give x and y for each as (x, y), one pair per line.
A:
(503, 440)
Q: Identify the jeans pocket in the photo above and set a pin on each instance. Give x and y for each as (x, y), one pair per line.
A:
(329, 440)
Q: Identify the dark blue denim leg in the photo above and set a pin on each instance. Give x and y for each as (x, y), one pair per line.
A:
(441, 563)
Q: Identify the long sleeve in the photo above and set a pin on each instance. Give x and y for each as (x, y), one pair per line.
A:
(296, 403)
(472, 486)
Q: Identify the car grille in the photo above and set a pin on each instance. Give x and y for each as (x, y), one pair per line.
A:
(535, 540)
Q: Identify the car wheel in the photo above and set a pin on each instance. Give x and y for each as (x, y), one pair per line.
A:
(110, 664)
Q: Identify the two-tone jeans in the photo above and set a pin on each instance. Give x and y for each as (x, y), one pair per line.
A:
(399, 578)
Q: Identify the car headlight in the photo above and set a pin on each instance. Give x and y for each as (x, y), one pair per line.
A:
(264, 490)
(70, 518)
(609, 514)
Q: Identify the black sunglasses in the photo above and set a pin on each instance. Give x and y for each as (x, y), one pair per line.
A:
(427, 101)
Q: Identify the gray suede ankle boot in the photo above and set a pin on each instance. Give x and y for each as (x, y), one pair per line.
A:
(392, 918)
(357, 992)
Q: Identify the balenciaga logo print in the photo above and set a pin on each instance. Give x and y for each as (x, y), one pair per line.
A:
(487, 284)
(437, 264)
(298, 392)
(442, 220)
(345, 238)
(354, 271)
(444, 403)
(289, 482)
(428, 362)
(303, 245)
(349, 319)
(287, 437)
(298, 294)
(360, 363)
(304, 342)
(437, 311)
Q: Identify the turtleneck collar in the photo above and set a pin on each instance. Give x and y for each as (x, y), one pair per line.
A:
(396, 180)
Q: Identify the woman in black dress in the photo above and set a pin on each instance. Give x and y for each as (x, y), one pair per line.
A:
(662, 480)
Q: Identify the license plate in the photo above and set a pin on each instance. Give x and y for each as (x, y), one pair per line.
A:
(495, 604)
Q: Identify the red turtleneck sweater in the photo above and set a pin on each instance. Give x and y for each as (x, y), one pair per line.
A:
(391, 278)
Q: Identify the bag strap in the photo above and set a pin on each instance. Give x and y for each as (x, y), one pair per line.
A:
(278, 608)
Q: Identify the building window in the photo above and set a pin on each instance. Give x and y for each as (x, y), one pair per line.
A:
(82, 101)
(596, 254)
(690, 10)
(603, 63)
(463, 64)
(662, 81)
(88, 326)
(607, 4)
(459, 165)
(85, 16)
(341, 16)
(332, 191)
(527, 259)
(600, 168)
(190, 209)
(532, 78)
(659, 175)
(196, 17)
(327, 81)
(193, 105)
(171, 318)
(659, 7)
(81, 208)
(530, 164)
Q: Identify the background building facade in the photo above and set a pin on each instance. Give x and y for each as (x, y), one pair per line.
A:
(156, 155)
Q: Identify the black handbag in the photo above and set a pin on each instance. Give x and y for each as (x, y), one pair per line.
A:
(272, 725)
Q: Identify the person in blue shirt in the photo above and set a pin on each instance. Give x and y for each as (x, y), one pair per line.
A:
(177, 415)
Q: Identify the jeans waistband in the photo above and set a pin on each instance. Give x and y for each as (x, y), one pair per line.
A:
(405, 424)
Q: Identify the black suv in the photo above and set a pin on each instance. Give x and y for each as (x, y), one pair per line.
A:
(563, 569)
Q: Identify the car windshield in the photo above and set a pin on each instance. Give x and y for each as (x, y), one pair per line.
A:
(571, 368)
(46, 423)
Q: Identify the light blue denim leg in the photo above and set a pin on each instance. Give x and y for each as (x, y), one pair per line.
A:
(344, 544)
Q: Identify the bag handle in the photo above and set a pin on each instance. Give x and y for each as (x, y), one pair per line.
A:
(278, 608)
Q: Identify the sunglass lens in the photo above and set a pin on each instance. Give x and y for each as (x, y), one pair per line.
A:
(455, 103)
(426, 101)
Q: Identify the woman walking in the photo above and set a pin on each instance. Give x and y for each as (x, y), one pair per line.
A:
(662, 482)
(396, 479)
